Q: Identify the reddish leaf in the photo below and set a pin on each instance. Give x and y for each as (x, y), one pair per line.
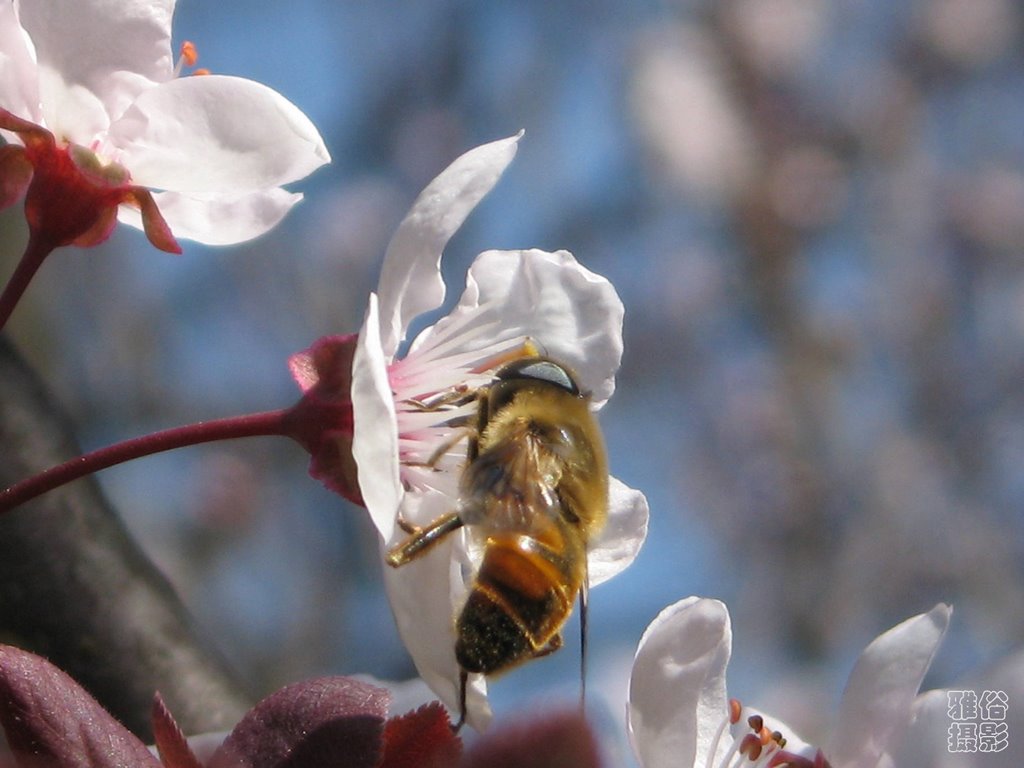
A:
(553, 741)
(170, 741)
(50, 720)
(330, 721)
(421, 739)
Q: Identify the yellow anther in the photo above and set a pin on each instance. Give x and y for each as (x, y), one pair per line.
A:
(751, 747)
(528, 348)
(735, 711)
(189, 54)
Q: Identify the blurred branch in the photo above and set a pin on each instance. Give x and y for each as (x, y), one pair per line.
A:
(782, 125)
(77, 589)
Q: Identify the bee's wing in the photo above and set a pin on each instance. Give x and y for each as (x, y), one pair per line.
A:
(512, 485)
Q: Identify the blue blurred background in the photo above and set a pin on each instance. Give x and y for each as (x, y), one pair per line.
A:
(814, 214)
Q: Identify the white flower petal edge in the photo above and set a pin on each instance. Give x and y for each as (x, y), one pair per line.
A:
(19, 87)
(111, 50)
(410, 281)
(876, 704)
(375, 427)
(677, 693)
(618, 544)
(925, 743)
(422, 595)
(215, 135)
(223, 220)
(573, 313)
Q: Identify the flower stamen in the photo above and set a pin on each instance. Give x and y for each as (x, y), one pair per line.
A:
(751, 746)
(732, 717)
(758, 747)
(189, 54)
(735, 711)
(444, 390)
(188, 57)
(526, 349)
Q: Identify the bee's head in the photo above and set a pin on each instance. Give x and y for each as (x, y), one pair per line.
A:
(528, 377)
(539, 369)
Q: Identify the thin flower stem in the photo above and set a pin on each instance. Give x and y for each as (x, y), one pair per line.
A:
(251, 425)
(36, 251)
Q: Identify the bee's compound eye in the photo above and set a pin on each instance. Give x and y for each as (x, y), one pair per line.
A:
(540, 369)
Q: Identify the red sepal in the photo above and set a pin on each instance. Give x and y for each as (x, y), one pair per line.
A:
(171, 743)
(421, 739)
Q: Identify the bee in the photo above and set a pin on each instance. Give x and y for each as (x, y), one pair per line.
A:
(533, 492)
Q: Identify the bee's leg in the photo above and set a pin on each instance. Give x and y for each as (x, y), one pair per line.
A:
(444, 447)
(422, 539)
(553, 644)
(455, 396)
(406, 526)
(463, 680)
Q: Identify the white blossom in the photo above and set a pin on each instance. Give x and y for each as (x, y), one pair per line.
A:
(100, 76)
(510, 296)
(678, 713)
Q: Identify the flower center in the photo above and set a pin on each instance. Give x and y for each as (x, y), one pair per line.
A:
(96, 167)
(435, 398)
(756, 746)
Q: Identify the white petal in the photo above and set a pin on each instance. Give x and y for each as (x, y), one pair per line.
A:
(622, 536)
(19, 79)
(677, 696)
(424, 594)
(410, 281)
(70, 110)
(224, 220)
(925, 742)
(113, 48)
(375, 427)
(216, 134)
(877, 701)
(574, 314)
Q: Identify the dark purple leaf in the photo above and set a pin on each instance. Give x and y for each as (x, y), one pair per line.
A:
(170, 741)
(51, 721)
(421, 739)
(553, 741)
(330, 721)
